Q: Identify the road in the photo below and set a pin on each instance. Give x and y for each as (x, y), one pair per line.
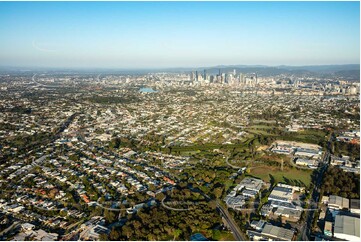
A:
(111, 209)
(34, 80)
(237, 233)
(235, 167)
(174, 209)
(306, 229)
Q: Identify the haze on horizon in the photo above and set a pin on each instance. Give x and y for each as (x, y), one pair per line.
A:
(178, 34)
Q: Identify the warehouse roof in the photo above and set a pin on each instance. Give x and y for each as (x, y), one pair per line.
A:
(277, 232)
(347, 225)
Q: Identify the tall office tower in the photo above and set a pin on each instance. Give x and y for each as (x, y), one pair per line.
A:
(224, 78)
(219, 72)
(211, 79)
(204, 74)
(196, 76)
(219, 79)
(248, 81)
(234, 72)
(296, 83)
(192, 76)
(241, 79)
(256, 79)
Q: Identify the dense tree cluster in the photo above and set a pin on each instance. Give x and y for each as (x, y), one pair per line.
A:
(338, 182)
(349, 149)
(160, 223)
(28, 141)
(113, 99)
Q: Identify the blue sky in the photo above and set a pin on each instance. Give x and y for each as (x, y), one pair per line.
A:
(178, 34)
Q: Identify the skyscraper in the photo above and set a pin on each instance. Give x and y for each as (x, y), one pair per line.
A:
(224, 78)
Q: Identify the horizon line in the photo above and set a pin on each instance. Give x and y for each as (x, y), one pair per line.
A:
(175, 67)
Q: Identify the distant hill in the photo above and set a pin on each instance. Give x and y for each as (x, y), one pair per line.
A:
(350, 71)
(324, 68)
(349, 74)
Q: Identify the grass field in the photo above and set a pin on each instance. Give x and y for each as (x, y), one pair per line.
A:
(260, 126)
(260, 129)
(208, 147)
(288, 174)
(226, 236)
(306, 136)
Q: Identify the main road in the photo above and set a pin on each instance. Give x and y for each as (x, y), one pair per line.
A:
(315, 197)
(237, 233)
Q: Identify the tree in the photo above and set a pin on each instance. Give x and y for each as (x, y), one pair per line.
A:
(109, 216)
(218, 192)
(103, 237)
(213, 204)
(216, 234)
(127, 231)
(114, 234)
(177, 233)
(159, 196)
(63, 213)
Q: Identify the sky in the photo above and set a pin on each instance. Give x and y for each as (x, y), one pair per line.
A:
(178, 34)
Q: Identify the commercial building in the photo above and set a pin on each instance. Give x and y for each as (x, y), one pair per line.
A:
(277, 233)
(289, 213)
(250, 183)
(258, 224)
(355, 206)
(309, 153)
(282, 194)
(338, 203)
(265, 231)
(248, 187)
(283, 202)
(306, 162)
(347, 228)
(234, 202)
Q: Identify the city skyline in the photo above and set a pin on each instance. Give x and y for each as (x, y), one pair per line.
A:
(178, 34)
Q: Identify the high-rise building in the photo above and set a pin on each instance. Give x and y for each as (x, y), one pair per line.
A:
(224, 78)
(204, 75)
(353, 90)
(196, 76)
(211, 79)
(241, 79)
